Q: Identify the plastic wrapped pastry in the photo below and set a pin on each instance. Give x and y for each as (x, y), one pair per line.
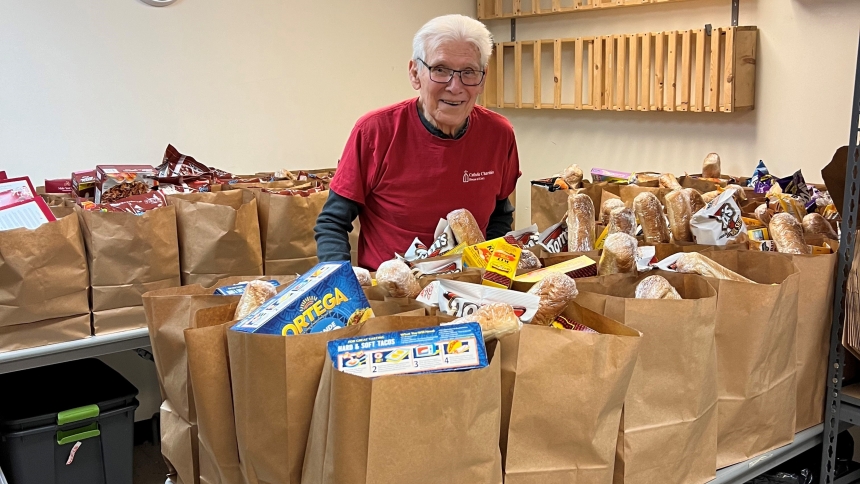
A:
(708, 197)
(572, 176)
(711, 166)
(580, 223)
(622, 220)
(649, 211)
(496, 320)
(619, 254)
(256, 293)
(363, 276)
(814, 223)
(656, 287)
(679, 213)
(695, 263)
(668, 180)
(607, 207)
(556, 291)
(528, 261)
(763, 213)
(787, 233)
(696, 201)
(740, 195)
(395, 277)
(465, 228)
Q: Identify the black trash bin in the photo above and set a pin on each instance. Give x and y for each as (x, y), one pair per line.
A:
(71, 423)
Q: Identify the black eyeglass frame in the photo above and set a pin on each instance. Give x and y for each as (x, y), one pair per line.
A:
(454, 71)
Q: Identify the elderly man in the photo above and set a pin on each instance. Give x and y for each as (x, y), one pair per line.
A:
(407, 165)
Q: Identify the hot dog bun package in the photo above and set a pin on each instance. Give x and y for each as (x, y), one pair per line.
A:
(719, 223)
(325, 298)
(462, 299)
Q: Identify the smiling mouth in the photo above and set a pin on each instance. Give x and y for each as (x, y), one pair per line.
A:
(451, 103)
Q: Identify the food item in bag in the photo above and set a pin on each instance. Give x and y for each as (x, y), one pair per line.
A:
(607, 207)
(739, 194)
(696, 263)
(656, 287)
(363, 276)
(238, 289)
(572, 176)
(781, 202)
(496, 320)
(580, 223)
(763, 213)
(528, 261)
(462, 299)
(719, 223)
(668, 180)
(524, 238)
(441, 265)
(619, 254)
(679, 212)
(115, 182)
(396, 277)
(761, 180)
(708, 197)
(814, 223)
(622, 220)
(554, 238)
(649, 211)
(556, 291)
(464, 226)
(256, 293)
(610, 176)
(696, 201)
(711, 166)
(137, 204)
(787, 233)
(325, 298)
(84, 183)
(502, 266)
(577, 267)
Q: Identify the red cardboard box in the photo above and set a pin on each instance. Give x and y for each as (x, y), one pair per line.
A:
(84, 184)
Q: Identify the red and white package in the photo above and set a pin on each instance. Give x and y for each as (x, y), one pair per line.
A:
(442, 265)
(442, 243)
(720, 222)
(554, 239)
(524, 238)
(460, 299)
(137, 204)
(60, 185)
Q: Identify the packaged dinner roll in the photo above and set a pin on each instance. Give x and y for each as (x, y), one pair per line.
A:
(719, 223)
(607, 207)
(556, 291)
(619, 254)
(649, 211)
(763, 213)
(679, 211)
(580, 223)
(656, 287)
(496, 320)
(256, 293)
(740, 194)
(708, 197)
(363, 276)
(465, 228)
(696, 201)
(395, 277)
(572, 175)
(528, 261)
(622, 220)
(696, 263)
(787, 233)
(814, 223)
(668, 180)
(711, 166)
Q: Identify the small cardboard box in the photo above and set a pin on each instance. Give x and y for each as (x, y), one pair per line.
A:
(115, 182)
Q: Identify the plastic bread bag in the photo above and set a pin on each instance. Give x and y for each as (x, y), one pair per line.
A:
(619, 254)
(668, 180)
(580, 223)
(256, 293)
(763, 213)
(363, 276)
(656, 287)
(814, 223)
(649, 211)
(679, 212)
(622, 220)
(696, 201)
(528, 261)
(396, 277)
(696, 263)
(608, 206)
(464, 227)
(784, 203)
(496, 319)
(787, 233)
(711, 166)
(720, 222)
(556, 292)
(572, 176)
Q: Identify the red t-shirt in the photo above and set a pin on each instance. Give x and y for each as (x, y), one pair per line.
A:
(405, 179)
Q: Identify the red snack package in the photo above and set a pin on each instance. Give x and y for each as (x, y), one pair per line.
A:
(84, 183)
(175, 163)
(116, 182)
(60, 185)
(137, 204)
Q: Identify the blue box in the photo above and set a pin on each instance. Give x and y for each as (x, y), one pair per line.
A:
(238, 289)
(325, 298)
(425, 350)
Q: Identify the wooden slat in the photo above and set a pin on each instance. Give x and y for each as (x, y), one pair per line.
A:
(518, 74)
(621, 75)
(659, 67)
(645, 97)
(481, 13)
(632, 83)
(743, 80)
(577, 97)
(517, 8)
(714, 89)
(578, 5)
(556, 72)
(556, 5)
(497, 10)
(728, 79)
(685, 71)
(609, 71)
(500, 76)
(699, 91)
(597, 74)
(672, 69)
(537, 68)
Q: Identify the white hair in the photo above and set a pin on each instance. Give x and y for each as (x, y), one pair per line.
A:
(452, 28)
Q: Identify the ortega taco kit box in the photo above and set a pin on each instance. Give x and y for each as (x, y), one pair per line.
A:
(325, 298)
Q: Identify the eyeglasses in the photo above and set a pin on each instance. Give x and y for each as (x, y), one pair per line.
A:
(443, 75)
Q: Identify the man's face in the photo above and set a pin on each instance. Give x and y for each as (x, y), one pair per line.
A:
(447, 105)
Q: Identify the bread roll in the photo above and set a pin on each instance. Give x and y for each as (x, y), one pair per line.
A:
(619, 254)
(363, 276)
(256, 293)
(787, 233)
(656, 287)
(607, 207)
(763, 213)
(679, 211)
(740, 195)
(668, 180)
(395, 277)
(572, 175)
(814, 223)
(711, 166)
(528, 261)
(496, 320)
(556, 291)
(696, 201)
(695, 263)
(649, 211)
(580, 223)
(622, 220)
(709, 197)
(465, 228)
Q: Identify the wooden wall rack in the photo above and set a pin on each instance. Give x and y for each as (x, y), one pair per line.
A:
(497, 9)
(704, 70)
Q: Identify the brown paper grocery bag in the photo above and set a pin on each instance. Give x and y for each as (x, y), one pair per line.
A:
(365, 430)
(595, 192)
(628, 193)
(562, 394)
(128, 256)
(180, 454)
(669, 425)
(43, 284)
(289, 223)
(661, 251)
(219, 235)
(756, 354)
(547, 207)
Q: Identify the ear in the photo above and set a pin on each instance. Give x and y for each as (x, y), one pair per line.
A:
(414, 79)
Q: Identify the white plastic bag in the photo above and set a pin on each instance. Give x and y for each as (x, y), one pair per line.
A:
(719, 223)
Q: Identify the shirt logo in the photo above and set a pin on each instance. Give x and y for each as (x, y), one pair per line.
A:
(476, 176)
